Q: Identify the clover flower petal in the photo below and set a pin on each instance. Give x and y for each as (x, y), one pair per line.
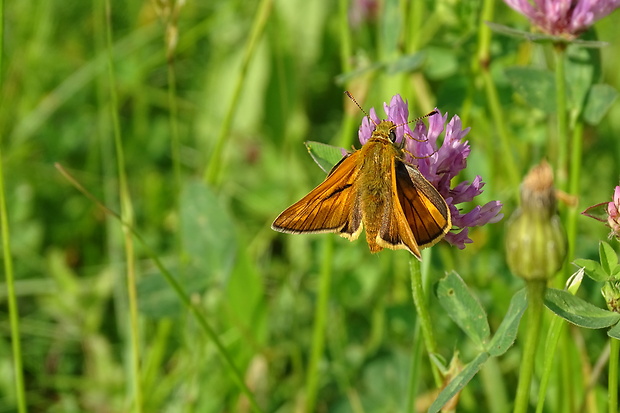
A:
(566, 18)
(439, 164)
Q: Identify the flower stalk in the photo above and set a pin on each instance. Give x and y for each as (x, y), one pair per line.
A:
(535, 294)
(536, 249)
(424, 317)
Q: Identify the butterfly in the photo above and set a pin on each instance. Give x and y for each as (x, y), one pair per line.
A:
(376, 189)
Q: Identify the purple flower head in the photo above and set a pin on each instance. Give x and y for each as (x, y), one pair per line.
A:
(439, 164)
(566, 18)
(613, 212)
(362, 11)
(607, 212)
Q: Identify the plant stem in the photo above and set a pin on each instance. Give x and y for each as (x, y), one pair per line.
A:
(8, 264)
(176, 286)
(536, 292)
(551, 344)
(614, 351)
(507, 156)
(414, 370)
(424, 317)
(560, 99)
(214, 164)
(318, 330)
(127, 216)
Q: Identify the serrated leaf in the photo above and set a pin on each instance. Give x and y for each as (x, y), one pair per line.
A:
(578, 311)
(536, 86)
(463, 307)
(608, 257)
(507, 332)
(599, 100)
(614, 332)
(593, 269)
(326, 156)
(460, 381)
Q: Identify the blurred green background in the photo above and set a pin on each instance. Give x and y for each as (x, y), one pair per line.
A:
(176, 67)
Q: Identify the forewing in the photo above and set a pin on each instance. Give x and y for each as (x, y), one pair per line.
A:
(330, 207)
(424, 208)
(395, 232)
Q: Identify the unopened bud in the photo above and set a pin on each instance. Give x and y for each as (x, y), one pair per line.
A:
(611, 293)
(535, 239)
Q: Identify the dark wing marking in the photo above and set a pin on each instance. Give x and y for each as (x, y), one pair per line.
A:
(425, 209)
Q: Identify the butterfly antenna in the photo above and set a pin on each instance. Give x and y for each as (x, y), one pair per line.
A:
(419, 118)
(350, 96)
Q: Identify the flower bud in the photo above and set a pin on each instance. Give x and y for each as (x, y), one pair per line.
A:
(535, 239)
(611, 293)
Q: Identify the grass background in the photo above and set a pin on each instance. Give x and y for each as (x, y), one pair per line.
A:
(205, 210)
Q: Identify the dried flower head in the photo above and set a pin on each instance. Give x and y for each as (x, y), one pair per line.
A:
(535, 239)
(439, 164)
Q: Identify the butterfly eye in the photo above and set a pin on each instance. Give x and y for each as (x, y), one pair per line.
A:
(393, 136)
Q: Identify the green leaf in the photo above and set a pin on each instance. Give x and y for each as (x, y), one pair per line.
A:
(541, 38)
(207, 233)
(458, 382)
(593, 269)
(209, 246)
(507, 332)
(441, 62)
(608, 257)
(578, 311)
(326, 156)
(536, 86)
(599, 100)
(463, 307)
(581, 68)
(614, 332)
(407, 63)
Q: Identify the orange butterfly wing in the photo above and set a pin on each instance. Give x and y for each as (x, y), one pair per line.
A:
(424, 208)
(333, 206)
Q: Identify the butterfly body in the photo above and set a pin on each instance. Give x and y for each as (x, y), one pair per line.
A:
(373, 187)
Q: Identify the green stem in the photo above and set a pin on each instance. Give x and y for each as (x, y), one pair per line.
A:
(8, 263)
(345, 36)
(551, 344)
(318, 331)
(573, 189)
(174, 124)
(414, 370)
(12, 298)
(424, 317)
(614, 351)
(507, 155)
(482, 58)
(560, 101)
(536, 292)
(127, 216)
(175, 285)
(214, 164)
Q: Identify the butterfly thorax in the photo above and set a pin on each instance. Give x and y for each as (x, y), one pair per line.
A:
(375, 185)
